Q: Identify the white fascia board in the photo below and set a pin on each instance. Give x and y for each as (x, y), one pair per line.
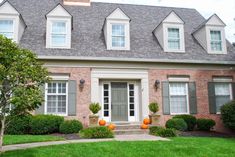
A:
(135, 60)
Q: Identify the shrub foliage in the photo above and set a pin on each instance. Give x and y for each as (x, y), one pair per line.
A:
(189, 119)
(95, 107)
(70, 126)
(228, 115)
(96, 132)
(205, 124)
(163, 132)
(177, 123)
(45, 124)
(153, 107)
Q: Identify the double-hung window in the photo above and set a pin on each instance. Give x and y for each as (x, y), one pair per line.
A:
(223, 94)
(178, 98)
(173, 38)
(56, 97)
(6, 28)
(216, 41)
(58, 34)
(118, 35)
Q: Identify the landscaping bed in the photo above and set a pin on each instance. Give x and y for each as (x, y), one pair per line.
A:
(206, 134)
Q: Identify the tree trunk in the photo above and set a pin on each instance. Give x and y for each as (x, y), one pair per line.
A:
(2, 133)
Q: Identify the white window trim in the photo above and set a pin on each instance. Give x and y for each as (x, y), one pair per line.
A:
(126, 24)
(225, 80)
(187, 99)
(223, 40)
(46, 94)
(50, 21)
(167, 26)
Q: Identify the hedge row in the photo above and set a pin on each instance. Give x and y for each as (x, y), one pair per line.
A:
(41, 124)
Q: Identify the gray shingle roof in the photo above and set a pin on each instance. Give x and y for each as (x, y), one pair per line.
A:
(88, 38)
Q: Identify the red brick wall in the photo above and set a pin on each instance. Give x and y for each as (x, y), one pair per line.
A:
(83, 95)
(201, 77)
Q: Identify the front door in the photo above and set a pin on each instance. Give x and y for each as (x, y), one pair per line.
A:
(119, 101)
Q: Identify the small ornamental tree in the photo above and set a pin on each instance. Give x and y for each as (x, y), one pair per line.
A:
(20, 81)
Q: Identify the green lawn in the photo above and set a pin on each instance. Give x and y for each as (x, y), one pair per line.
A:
(16, 139)
(178, 147)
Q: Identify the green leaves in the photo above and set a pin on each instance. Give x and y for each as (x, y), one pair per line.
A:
(24, 75)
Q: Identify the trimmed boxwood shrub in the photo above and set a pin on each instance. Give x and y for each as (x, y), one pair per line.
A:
(18, 125)
(177, 123)
(189, 119)
(45, 124)
(163, 132)
(205, 124)
(70, 126)
(228, 115)
(96, 132)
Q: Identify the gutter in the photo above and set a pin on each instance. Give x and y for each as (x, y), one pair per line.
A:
(72, 58)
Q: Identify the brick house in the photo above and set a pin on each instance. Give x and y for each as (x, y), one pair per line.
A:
(124, 57)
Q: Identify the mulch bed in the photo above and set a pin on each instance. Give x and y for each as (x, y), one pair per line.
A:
(206, 134)
(68, 136)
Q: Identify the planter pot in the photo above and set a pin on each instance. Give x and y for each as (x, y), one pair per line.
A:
(154, 119)
(93, 120)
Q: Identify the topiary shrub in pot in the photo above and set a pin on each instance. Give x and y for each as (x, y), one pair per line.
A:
(70, 127)
(189, 119)
(154, 117)
(93, 119)
(45, 124)
(205, 124)
(177, 123)
(18, 125)
(96, 132)
(228, 115)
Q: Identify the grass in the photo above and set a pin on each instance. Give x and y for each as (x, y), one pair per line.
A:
(178, 147)
(17, 139)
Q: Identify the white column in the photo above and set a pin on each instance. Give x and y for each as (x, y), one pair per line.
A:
(145, 98)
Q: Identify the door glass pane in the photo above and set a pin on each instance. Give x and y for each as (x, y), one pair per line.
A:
(106, 100)
(132, 99)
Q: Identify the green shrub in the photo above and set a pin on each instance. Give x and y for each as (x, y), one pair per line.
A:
(177, 123)
(96, 132)
(163, 132)
(153, 107)
(189, 119)
(45, 124)
(205, 124)
(95, 107)
(228, 115)
(18, 125)
(70, 126)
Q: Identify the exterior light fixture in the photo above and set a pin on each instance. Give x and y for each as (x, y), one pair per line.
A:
(156, 84)
(82, 82)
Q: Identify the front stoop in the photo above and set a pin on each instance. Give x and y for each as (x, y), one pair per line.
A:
(129, 129)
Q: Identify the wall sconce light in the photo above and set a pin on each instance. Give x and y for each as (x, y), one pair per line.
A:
(156, 84)
(82, 82)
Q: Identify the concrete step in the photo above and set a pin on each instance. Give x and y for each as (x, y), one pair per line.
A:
(127, 127)
(131, 132)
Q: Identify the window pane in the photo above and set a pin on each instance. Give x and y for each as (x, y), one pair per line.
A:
(118, 30)
(58, 28)
(51, 104)
(106, 113)
(106, 93)
(132, 106)
(62, 104)
(132, 113)
(118, 41)
(58, 40)
(220, 101)
(222, 89)
(6, 28)
(62, 88)
(178, 104)
(173, 38)
(51, 88)
(106, 106)
(177, 88)
(106, 86)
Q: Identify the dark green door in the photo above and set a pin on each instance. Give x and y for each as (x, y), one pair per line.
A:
(119, 101)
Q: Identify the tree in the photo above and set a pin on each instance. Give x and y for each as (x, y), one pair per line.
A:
(21, 76)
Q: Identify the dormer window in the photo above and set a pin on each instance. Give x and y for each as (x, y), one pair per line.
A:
(117, 31)
(58, 35)
(6, 28)
(12, 24)
(173, 38)
(59, 26)
(118, 35)
(216, 41)
(170, 33)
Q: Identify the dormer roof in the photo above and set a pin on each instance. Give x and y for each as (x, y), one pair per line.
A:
(118, 14)
(58, 11)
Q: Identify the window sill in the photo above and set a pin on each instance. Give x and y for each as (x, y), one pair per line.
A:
(62, 115)
(174, 114)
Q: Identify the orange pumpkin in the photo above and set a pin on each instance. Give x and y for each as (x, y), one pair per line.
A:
(146, 121)
(102, 122)
(111, 126)
(144, 126)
